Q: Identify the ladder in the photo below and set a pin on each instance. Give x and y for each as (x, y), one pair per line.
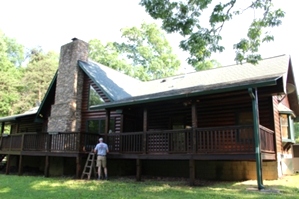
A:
(89, 166)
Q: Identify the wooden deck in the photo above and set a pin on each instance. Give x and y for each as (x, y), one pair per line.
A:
(228, 142)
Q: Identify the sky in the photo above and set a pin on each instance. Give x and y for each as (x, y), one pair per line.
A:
(51, 24)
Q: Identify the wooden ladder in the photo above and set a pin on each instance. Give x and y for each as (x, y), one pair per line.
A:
(89, 166)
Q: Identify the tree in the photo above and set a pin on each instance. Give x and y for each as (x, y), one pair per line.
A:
(37, 77)
(11, 57)
(204, 65)
(108, 55)
(184, 17)
(144, 53)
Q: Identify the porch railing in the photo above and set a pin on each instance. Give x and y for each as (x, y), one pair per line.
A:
(231, 139)
(267, 140)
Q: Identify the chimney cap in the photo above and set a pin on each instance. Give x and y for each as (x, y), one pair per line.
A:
(74, 39)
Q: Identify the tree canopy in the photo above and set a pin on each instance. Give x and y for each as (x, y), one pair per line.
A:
(11, 54)
(184, 17)
(23, 81)
(144, 53)
(36, 78)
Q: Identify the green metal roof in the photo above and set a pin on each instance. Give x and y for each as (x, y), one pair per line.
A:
(32, 111)
(223, 79)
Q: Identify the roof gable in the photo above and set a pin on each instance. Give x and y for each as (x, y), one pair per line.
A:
(114, 84)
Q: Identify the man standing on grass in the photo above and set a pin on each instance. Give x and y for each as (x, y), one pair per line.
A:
(101, 149)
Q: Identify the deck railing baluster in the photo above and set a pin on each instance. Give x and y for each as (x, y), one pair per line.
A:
(232, 139)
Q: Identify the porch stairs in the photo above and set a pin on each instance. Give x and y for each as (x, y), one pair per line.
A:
(89, 167)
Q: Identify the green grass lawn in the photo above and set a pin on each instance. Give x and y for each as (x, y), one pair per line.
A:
(30, 187)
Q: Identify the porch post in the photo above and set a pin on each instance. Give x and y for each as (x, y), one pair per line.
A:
(256, 129)
(194, 124)
(107, 126)
(144, 129)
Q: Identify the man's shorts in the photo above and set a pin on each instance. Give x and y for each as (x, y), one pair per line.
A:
(101, 161)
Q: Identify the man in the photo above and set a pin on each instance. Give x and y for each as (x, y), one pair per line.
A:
(101, 149)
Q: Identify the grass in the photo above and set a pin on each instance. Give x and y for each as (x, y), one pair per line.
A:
(31, 187)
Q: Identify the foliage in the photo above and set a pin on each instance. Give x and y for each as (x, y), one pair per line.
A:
(145, 53)
(28, 187)
(108, 56)
(11, 54)
(148, 48)
(204, 65)
(37, 77)
(202, 40)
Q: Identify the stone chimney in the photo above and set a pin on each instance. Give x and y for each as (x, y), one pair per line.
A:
(66, 111)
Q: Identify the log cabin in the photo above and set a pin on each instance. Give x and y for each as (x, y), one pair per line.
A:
(229, 123)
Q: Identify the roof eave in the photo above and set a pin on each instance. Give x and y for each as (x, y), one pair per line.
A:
(15, 117)
(37, 119)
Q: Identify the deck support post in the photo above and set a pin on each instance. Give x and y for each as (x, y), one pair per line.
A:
(191, 172)
(78, 166)
(254, 97)
(47, 164)
(20, 170)
(138, 169)
(7, 164)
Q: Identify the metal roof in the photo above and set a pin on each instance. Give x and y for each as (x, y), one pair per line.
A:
(114, 84)
(32, 111)
(266, 72)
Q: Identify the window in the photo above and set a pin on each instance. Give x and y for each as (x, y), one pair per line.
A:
(287, 127)
(98, 126)
(94, 98)
(286, 123)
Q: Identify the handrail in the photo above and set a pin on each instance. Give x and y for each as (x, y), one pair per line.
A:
(266, 140)
(226, 139)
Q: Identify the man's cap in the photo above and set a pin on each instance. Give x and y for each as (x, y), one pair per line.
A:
(101, 139)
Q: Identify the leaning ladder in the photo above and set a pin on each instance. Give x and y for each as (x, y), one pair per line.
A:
(89, 166)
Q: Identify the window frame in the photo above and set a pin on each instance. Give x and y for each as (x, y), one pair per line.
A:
(101, 125)
(90, 91)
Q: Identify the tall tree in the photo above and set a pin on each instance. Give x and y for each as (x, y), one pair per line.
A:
(147, 47)
(203, 40)
(37, 77)
(108, 55)
(145, 53)
(11, 57)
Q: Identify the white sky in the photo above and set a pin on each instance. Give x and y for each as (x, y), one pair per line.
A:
(51, 24)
